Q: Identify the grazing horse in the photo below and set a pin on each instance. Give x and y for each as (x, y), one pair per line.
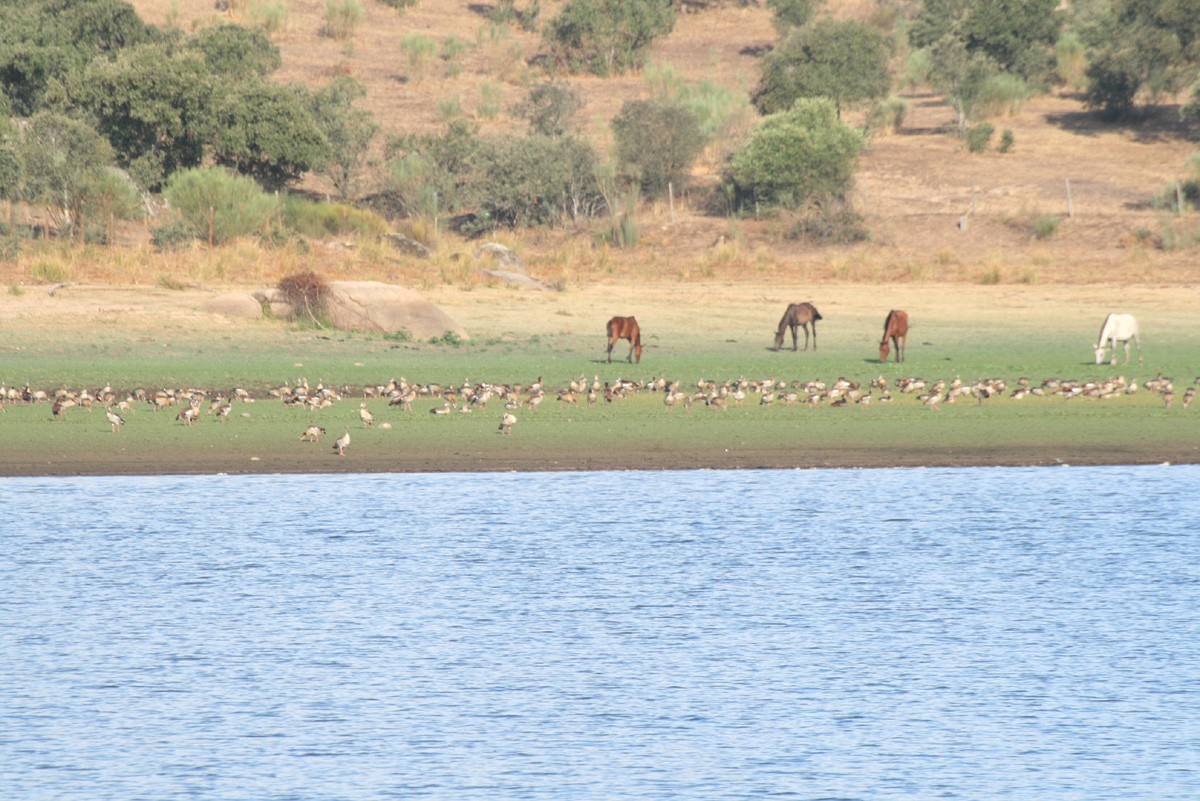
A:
(1118, 328)
(625, 328)
(798, 315)
(895, 328)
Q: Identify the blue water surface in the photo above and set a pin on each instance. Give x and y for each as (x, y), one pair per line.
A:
(1008, 633)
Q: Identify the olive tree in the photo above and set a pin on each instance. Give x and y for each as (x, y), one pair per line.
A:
(657, 141)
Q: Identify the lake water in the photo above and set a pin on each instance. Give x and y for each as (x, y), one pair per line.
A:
(863, 634)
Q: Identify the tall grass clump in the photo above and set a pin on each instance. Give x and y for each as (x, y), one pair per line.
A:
(342, 19)
(271, 17)
(218, 206)
(318, 220)
(1001, 94)
(419, 51)
(887, 116)
(452, 52)
(1070, 61)
(1045, 226)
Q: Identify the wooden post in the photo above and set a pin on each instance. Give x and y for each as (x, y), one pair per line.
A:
(211, 222)
(671, 199)
(1070, 205)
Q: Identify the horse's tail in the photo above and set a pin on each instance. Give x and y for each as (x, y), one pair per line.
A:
(816, 314)
(609, 327)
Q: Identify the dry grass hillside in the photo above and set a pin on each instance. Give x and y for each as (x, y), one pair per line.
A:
(914, 186)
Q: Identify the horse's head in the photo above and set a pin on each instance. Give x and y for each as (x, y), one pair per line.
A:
(637, 350)
(1100, 354)
(884, 350)
(779, 338)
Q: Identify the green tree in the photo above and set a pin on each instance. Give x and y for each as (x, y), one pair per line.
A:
(44, 41)
(798, 156)
(348, 132)
(607, 36)
(236, 52)
(844, 60)
(1142, 48)
(10, 160)
(267, 131)
(961, 75)
(657, 141)
(433, 173)
(1018, 35)
(63, 160)
(153, 105)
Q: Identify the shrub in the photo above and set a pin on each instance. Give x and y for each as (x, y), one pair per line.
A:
(887, 116)
(551, 108)
(452, 52)
(342, 18)
(1006, 141)
(307, 293)
(836, 224)
(218, 205)
(803, 154)
(173, 235)
(1045, 226)
(979, 136)
(418, 51)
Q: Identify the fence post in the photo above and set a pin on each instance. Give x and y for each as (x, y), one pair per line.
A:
(1070, 206)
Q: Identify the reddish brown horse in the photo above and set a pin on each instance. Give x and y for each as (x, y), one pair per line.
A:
(798, 315)
(625, 328)
(895, 328)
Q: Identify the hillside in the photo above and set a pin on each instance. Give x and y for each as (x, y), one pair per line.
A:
(913, 187)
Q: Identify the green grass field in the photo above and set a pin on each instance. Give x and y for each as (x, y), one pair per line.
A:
(632, 433)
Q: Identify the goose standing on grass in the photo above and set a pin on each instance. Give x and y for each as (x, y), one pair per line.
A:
(312, 434)
(507, 422)
(364, 414)
(341, 443)
(115, 420)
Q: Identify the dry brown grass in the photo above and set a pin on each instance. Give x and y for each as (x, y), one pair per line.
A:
(913, 187)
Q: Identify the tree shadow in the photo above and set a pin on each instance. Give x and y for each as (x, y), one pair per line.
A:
(1153, 125)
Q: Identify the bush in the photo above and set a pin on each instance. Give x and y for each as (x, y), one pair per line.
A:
(1001, 94)
(551, 109)
(658, 141)
(307, 293)
(217, 204)
(173, 235)
(342, 18)
(1006, 141)
(979, 136)
(796, 156)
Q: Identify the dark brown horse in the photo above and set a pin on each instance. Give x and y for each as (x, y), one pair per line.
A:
(625, 328)
(798, 315)
(895, 328)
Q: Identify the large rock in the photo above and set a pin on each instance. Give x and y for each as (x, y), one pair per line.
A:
(234, 304)
(374, 306)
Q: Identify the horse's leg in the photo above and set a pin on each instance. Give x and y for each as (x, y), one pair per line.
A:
(1137, 340)
(630, 357)
(814, 325)
(795, 337)
(611, 341)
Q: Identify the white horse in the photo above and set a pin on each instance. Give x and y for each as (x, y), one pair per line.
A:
(1118, 328)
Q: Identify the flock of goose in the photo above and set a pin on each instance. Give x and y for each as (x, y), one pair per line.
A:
(467, 397)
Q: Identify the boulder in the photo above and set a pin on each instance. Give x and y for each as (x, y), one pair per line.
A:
(234, 304)
(384, 308)
(408, 245)
(501, 254)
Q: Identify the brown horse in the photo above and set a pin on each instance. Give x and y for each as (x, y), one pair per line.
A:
(625, 328)
(895, 328)
(798, 315)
